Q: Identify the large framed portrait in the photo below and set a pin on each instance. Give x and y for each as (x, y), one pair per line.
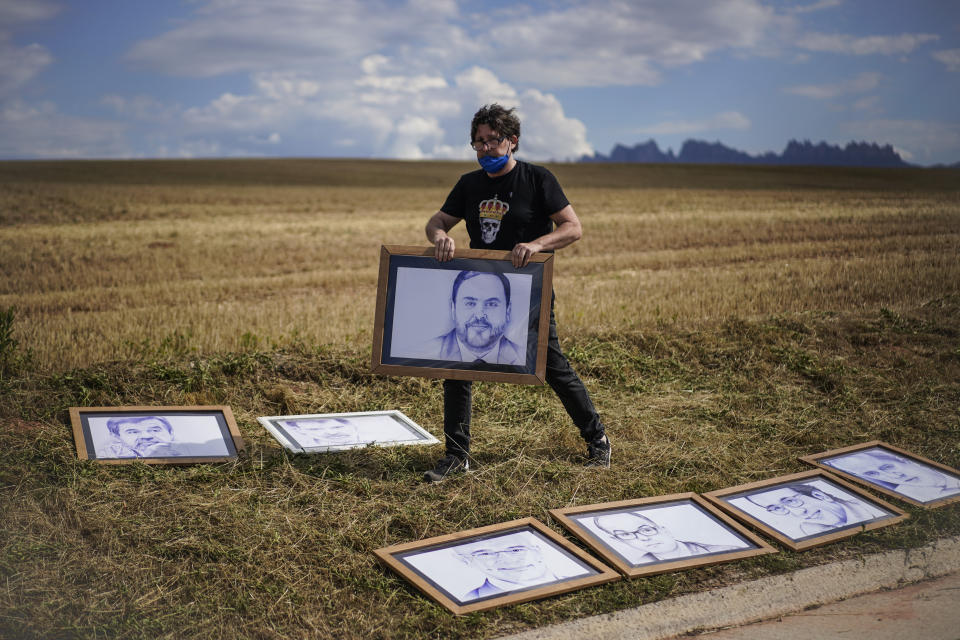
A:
(319, 432)
(647, 536)
(493, 566)
(806, 509)
(155, 435)
(893, 471)
(472, 318)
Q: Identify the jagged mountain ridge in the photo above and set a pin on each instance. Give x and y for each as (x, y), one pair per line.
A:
(854, 154)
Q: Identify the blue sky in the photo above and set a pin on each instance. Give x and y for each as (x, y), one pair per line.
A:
(200, 78)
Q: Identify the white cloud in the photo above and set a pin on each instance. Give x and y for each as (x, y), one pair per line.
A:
(816, 6)
(483, 86)
(621, 43)
(920, 139)
(286, 86)
(869, 103)
(373, 64)
(859, 84)
(44, 132)
(140, 107)
(572, 44)
(200, 149)
(18, 65)
(13, 12)
(949, 57)
(380, 113)
(728, 120)
(861, 46)
(402, 84)
(323, 37)
(903, 153)
(546, 132)
(411, 134)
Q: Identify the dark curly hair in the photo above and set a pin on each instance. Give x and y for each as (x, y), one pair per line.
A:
(502, 120)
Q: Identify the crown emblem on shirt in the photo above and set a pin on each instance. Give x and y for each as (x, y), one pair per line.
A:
(494, 208)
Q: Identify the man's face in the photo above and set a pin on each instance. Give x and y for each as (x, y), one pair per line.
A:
(508, 561)
(144, 435)
(638, 532)
(890, 470)
(819, 508)
(486, 134)
(481, 312)
(323, 431)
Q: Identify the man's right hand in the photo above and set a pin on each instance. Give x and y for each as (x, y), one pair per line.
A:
(444, 248)
(437, 227)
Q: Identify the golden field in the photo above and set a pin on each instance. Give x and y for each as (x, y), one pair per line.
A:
(101, 257)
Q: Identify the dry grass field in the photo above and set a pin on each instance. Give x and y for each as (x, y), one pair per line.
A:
(725, 319)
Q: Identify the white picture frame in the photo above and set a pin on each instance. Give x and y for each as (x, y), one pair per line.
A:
(327, 432)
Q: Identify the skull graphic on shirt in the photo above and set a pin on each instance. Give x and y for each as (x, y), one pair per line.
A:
(491, 214)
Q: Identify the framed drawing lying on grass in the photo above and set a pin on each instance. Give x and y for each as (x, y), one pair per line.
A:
(893, 471)
(320, 432)
(156, 435)
(472, 318)
(807, 509)
(655, 535)
(493, 566)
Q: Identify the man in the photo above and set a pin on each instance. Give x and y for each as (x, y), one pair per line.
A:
(917, 481)
(508, 564)
(322, 432)
(480, 307)
(653, 542)
(525, 201)
(142, 437)
(815, 511)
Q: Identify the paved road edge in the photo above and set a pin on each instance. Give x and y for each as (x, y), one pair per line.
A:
(764, 598)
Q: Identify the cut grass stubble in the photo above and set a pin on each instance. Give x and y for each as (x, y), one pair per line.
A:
(722, 332)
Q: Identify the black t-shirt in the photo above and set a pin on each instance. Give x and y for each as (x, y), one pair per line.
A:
(500, 212)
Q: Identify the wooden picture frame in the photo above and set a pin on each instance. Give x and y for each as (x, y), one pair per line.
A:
(156, 435)
(806, 509)
(892, 471)
(326, 432)
(495, 566)
(647, 536)
(420, 331)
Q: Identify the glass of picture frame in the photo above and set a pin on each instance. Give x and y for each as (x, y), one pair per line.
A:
(474, 317)
(807, 509)
(155, 435)
(494, 566)
(321, 432)
(893, 471)
(646, 536)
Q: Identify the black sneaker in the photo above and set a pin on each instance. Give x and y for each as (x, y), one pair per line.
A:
(598, 453)
(446, 466)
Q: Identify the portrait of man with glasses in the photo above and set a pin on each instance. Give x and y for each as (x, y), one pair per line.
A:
(809, 508)
(511, 205)
(642, 540)
(508, 563)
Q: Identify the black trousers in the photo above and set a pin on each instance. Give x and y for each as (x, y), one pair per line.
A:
(458, 400)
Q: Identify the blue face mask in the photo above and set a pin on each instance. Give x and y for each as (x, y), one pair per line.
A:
(493, 165)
